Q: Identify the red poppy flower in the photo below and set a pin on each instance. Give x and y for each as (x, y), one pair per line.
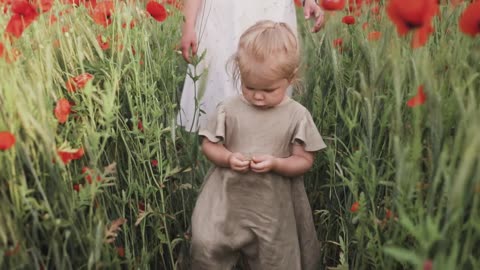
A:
(103, 42)
(13, 251)
(68, 155)
(24, 14)
(2, 49)
(355, 207)
(375, 10)
(78, 82)
(413, 15)
(121, 251)
(132, 24)
(62, 110)
(76, 187)
(374, 35)
(154, 163)
(7, 140)
(333, 4)
(298, 3)
(140, 125)
(157, 11)
(141, 206)
(102, 13)
(337, 43)
(418, 99)
(470, 20)
(53, 19)
(428, 265)
(388, 213)
(88, 175)
(348, 19)
(365, 25)
(65, 28)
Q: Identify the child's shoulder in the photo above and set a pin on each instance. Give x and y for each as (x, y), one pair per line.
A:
(297, 108)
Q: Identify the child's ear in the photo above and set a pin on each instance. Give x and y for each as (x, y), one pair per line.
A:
(293, 76)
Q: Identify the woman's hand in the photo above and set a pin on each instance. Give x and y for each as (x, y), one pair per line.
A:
(312, 9)
(263, 163)
(238, 162)
(189, 40)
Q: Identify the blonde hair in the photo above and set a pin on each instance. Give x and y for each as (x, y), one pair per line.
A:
(270, 41)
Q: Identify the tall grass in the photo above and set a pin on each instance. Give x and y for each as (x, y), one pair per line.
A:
(415, 172)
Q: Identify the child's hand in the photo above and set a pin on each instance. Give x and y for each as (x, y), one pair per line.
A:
(238, 162)
(262, 163)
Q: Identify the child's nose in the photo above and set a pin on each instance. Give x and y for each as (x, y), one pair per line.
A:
(257, 96)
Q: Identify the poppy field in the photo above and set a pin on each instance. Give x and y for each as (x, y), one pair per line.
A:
(95, 174)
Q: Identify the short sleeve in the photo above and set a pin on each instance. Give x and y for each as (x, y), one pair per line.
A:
(307, 134)
(214, 130)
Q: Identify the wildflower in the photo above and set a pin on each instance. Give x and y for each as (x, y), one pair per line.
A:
(374, 35)
(298, 3)
(102, 13)
(154, 163)
(418, 99)
(13, 251)
(141, 206)
(76, 187)
(428, 265)
(157, 11)
(355, 206)
(120, 251)
(65, 28)
(7, 140)
(470, 20)
(88, 175)
(413, 15)
(333, 4)
(388, 213)
(365, 25)
(348, 19)
(53, 19)
(2, 49)
(375, 10)
(24, 13)
(103, 42)
(68, 155)
(131, 24)
(337, 43)
(140, 125)
(62, 110)
(79, 81)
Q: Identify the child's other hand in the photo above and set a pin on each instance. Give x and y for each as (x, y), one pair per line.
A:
(262, 163)
(238, 162)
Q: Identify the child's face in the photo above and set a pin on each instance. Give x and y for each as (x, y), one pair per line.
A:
(263, 93)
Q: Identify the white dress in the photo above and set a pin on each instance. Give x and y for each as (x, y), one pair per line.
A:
(220, 23)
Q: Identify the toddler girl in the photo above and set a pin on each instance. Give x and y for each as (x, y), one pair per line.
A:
(253, 201)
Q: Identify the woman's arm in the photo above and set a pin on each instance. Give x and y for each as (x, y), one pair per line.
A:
(189, 37)
(311, 8)
(222, 157)
(295, 165)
